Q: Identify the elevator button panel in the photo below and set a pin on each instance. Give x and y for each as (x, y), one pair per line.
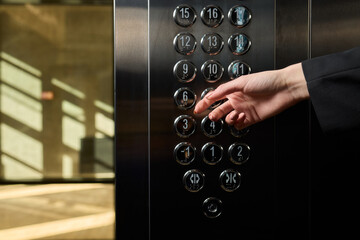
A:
(212, 154)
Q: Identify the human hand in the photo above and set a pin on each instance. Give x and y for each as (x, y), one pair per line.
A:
(255, 97)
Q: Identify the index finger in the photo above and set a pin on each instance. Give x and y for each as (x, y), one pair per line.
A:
(204, 104)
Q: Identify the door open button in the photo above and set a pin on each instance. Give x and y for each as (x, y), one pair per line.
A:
(194, 180)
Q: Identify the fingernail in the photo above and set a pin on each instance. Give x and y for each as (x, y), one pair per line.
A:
(211, 117)
(195, 112)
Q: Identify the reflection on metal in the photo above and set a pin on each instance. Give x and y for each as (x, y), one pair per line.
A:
(104, 124)
(21, 107)
(103, 106)
(20, 79)
(72, 133)
(68, 88)
(20, 64)
(73, 110)
(22, 147)
(63, 2)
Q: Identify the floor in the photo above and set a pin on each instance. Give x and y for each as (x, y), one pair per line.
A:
(57, 211)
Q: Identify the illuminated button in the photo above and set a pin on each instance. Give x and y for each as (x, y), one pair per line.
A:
(212, 16)
(239, 43)
(211, 128)
(185, 71)
(184, 98)
(212, 153)
(230, 180)
(215, 104)
(237, 69)
(212, 71)
(184, 125)
(212, 207)
(239, 16)
(184, 153)
(194, 180)
(239, 153)
(238, 133)
(212, 43)
(185, 43)
(184, 15)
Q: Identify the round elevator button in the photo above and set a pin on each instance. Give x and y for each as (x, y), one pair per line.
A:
(212, 16)
(211, 128)
(184, 71)
(194, 180)
(239, 43)
(185, 43)
(184, 125)
(212, 207)
(212, 43)
(215, 104)
(239, 153)
(212, 71)
(239, 16)
(212, 153)
(230, 180)
(238, 68)
(184, 153)
(185, 98)
(184, 15)
(238, 133)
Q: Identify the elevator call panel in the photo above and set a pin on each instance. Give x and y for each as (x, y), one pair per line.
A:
(206, 174)
(204, 179)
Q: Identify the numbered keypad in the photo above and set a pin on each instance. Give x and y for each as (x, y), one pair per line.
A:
(184, 153)
(239, 43)
(212, 16)
(212, 71)
(238, 68)
(239, 153)
(212, 43)
(184, 15)
(185, 125)
(185, 43)
(184, 98)
(185, 71)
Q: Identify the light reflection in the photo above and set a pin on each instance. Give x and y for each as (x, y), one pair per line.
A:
(67, 166)
(73, 110)
(104, 124)
(20, 79)
(21, 107)
(72, 133)
(104, 106)
(22, 147)
(68, 88)
(20, 64)
(13, 170)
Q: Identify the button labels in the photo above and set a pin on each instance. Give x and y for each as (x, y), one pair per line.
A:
(194, 180)
(184, 15)
(230, 180)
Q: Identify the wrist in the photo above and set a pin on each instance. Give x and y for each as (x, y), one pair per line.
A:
(295, 81)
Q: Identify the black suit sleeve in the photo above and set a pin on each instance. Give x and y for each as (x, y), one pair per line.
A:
(334, 86)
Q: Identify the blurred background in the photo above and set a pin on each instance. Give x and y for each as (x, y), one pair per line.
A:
(56, 119)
